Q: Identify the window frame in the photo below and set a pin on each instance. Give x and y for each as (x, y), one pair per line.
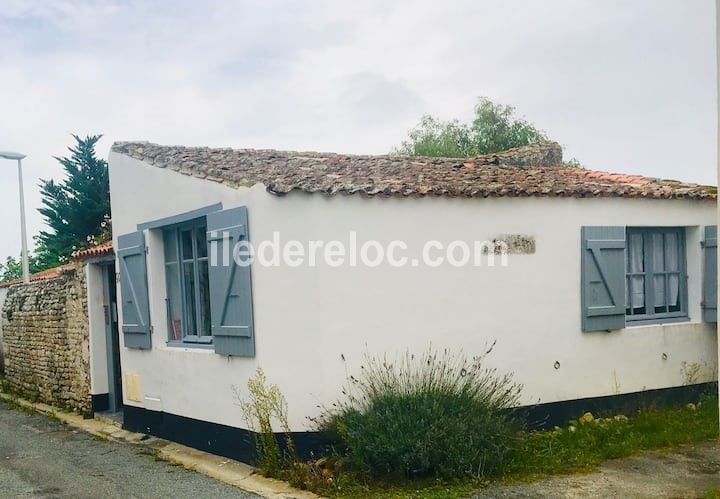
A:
(649, 274)
(177, 266)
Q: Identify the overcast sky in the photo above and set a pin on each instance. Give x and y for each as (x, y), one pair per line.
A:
(624, 86)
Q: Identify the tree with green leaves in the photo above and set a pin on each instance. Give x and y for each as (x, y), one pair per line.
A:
(12, 268)
(495, 128)
(77, 209)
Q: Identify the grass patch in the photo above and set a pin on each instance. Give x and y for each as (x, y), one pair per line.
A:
(580, 447)
(99, 438)
(153, 455)
(14, 403)
(584, 445)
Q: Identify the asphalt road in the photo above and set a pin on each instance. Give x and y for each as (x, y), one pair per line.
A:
(40, 457)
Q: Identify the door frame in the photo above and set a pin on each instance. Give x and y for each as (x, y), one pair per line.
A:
(112, 338)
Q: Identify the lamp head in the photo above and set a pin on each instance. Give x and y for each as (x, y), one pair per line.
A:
(11, 155)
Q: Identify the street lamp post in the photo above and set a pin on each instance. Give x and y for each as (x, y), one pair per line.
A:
(23, 229)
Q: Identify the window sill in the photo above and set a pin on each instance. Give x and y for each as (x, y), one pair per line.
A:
(189, 345)
(656, 322)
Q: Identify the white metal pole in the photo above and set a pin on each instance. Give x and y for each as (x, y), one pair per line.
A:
(23, 229)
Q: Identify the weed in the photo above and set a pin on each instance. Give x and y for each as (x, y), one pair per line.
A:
(99, 437)
(694, 372)
(266, 403)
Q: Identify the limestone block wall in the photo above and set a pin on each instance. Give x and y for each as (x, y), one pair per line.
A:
(3, 294)
(46, 340)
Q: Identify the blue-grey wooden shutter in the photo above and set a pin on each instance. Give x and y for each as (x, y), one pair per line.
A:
(710, 279)
(133, 289)
(230, 285)
(603, 278)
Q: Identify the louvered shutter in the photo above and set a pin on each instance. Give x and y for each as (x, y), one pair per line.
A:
(134, 292)
(230, 285)
(603, 278)
(710, 279)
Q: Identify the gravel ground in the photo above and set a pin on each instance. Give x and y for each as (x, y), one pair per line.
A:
(688, 471)
(40, 457)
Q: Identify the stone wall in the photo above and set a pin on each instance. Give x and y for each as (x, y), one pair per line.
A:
(3, 294)
(46, 340)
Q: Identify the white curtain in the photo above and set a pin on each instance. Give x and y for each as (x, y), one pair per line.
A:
(635, 261)
(673, 262)
(658, 258)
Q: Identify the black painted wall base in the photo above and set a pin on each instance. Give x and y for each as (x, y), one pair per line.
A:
(100, 402)
(239, 444)
(546, 416)
(222, 440)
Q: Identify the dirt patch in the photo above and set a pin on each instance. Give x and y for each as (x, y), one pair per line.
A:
(688, 471)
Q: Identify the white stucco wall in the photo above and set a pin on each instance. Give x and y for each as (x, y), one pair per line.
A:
(306, 318)
(98, 335)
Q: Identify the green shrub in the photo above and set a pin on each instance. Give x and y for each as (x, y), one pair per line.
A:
(438, 415)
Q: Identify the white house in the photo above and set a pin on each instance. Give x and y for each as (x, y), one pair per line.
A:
(598, 300)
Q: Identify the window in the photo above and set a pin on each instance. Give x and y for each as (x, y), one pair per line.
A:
(207, 305)
(656, 286)
(188, 290)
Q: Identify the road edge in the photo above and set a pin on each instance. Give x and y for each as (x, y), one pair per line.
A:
(229, 471)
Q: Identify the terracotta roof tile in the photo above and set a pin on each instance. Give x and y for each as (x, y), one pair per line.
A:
(53, 273)
(101, 249)
(45, 275)
(527, 171)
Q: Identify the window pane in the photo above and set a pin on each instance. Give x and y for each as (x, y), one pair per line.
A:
(186, 244)
(201, 237)
(671, 247)
(189, 298)
(174, 305)
(188, 286)
(660, 266)
(204, 288)
(170, 243)
(658, 253)
(659, 283)
(657, 250)
(674, 292)
(673, 257)
(636, 263)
